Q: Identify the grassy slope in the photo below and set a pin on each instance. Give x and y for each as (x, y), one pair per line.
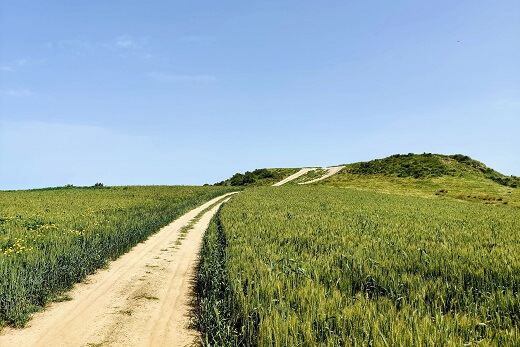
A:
(428, 176)
(429, 165)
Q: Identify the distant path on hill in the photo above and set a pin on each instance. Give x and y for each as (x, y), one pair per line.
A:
(142, 299)
(331, 171)
(294, 176)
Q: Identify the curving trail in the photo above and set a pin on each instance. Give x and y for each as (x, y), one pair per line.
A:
(294, 176)
(330, 171)
(142, 299)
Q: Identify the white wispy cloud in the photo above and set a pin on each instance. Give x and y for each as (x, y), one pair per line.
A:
(507, 99)
(21, 62)
(74, 45)
(161, 76)
(124, 45)
(125, 41)
(17, 93)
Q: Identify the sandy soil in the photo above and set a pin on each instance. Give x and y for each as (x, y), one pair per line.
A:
(294, 176)
(142, 299)
(330, 171)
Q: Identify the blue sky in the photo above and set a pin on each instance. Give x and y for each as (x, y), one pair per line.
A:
(170, 92)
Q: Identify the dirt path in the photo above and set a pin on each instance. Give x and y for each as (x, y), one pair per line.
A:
(294, 176)
(331, 171)
(142, 299)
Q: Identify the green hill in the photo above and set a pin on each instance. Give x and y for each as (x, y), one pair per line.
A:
(429, 165)
(429, 175)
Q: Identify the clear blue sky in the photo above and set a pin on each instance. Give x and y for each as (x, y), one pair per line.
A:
(171, 92)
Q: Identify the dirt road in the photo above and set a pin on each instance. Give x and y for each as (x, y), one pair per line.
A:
(142, 299)
(294, 176)
(330, 171)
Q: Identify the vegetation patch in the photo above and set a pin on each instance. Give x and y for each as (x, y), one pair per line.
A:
(429, 165)
(258, 177)
(404, 165)
(145, 296)
(215, 300)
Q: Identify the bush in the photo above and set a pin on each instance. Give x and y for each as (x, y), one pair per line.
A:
(249, 177)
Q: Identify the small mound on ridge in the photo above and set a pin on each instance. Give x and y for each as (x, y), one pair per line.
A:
(429, 165)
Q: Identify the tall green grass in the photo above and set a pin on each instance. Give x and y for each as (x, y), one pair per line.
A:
(323, 266)
(51, 239)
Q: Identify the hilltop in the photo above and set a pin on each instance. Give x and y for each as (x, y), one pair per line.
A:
(456, 176)
(419, 166)
(429, 165)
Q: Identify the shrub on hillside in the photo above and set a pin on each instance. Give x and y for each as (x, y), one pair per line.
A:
(404, 165)
(248, 177)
